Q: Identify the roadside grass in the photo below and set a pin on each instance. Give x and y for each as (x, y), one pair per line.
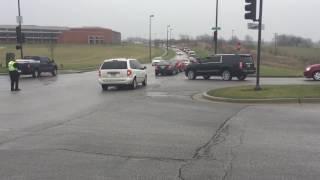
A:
(84, 57)
(268, 91)
(268, 71)
(3, 70)
(171, 54)
(305, 55)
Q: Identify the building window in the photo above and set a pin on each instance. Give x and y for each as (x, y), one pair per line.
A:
(93, 39)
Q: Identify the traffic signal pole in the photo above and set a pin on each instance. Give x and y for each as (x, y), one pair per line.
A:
(257, 88)
(20, 19)
(216, 33)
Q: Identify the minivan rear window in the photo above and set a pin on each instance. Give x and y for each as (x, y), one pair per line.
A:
(114, 65)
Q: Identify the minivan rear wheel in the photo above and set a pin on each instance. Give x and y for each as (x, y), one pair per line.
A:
(134, 84)
(226, 75)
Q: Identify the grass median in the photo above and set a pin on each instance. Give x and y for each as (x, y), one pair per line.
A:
(268, 92)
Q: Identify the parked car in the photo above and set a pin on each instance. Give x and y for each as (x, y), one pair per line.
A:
(156, 60)
(122, 72)
(225, 65)
(313, 71)
(166, 68)
(35, 65)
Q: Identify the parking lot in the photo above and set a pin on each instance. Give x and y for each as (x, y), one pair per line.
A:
(57, 127)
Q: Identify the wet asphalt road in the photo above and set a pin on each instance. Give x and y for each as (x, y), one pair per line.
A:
(68, 128)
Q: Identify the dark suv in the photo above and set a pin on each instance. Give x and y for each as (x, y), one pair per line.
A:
(224, 65)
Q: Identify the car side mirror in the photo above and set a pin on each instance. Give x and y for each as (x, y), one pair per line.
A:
(145, 67)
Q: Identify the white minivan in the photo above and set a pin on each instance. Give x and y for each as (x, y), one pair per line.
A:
(122, 72)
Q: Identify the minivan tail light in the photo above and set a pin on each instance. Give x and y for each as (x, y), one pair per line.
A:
(241, 65)
(129, 72)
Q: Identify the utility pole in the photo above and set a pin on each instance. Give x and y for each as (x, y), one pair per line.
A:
(216, 33)
(20, 27)
(168, 26)
(150, 38)
(275, 43)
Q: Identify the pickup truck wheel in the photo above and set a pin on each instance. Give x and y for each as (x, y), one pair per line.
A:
(316, 76)
(226, 75)
(34, 74)
(191, 75)
(37, 73)
(242, 77)
(104, 87)
(54, 72)
(206, 77)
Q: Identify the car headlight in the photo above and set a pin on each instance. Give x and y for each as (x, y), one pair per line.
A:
(308, 68)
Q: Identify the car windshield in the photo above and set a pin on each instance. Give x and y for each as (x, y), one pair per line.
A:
(114, 65)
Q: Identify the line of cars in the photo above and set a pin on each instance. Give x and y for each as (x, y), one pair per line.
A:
(129, 72)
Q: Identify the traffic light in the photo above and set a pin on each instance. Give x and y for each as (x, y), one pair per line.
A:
(251, 10)
(19, 34)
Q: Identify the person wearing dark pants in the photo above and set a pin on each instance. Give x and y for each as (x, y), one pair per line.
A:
(14, 75)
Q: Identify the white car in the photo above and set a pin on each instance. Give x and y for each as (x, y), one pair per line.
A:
(122, 72)
(179, 53)
(156, 60)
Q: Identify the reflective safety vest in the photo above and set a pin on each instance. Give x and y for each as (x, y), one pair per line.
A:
(11, 66)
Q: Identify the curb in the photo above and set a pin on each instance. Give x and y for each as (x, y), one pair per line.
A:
(265, 101)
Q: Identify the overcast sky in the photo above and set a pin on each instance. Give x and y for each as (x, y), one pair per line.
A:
(192, 17)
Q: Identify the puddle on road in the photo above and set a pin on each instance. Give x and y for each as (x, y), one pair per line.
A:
(157, 94)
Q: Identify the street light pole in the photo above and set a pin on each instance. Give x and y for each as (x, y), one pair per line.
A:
(216, 40)
(20, 19)
(170, 39)
(150, 40)
(168, 26)
(232, 36)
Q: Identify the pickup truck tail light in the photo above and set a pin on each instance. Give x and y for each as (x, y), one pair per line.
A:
(129, 72)
(241, 65)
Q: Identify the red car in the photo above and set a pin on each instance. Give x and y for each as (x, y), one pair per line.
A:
(313, 71)
(180, 65)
